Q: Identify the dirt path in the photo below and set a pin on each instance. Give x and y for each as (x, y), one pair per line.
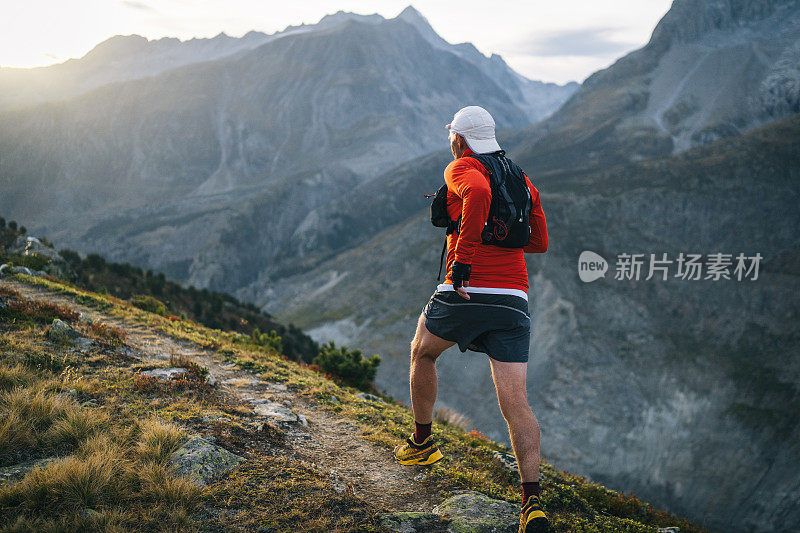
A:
(333, 445)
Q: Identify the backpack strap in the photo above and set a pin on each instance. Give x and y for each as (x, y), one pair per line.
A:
(453, 226)
(441, 259)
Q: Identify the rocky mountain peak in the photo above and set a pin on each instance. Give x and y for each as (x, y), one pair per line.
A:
(414, 17)
(341, 17)
(712, 69)
(117, 46)
(688, 20)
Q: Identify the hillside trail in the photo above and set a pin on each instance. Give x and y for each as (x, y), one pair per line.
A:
(332, 445)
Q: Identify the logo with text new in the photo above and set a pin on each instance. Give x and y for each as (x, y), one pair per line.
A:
(591, 266)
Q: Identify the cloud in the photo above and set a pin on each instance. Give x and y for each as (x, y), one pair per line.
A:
(134, 4)
(585, 42)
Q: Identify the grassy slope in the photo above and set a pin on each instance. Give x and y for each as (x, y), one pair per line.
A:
(268, 490)
(214, 309)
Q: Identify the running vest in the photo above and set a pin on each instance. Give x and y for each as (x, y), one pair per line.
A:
(508, 223)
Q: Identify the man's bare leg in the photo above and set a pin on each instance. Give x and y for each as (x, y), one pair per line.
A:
(523, 428)
(425, 349)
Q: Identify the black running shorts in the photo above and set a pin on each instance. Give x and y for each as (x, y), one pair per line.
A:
(496, 324)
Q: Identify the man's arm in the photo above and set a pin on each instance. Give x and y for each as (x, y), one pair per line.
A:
(539, 239)
(473, 188)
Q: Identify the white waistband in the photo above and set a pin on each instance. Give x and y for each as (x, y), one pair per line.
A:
(485, 290)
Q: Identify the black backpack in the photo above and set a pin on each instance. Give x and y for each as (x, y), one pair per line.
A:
(508, 224)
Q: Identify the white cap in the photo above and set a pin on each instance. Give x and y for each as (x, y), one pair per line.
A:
(476, 125)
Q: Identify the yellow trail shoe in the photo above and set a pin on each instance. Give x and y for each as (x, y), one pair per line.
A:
(533, 519)
(412, 453)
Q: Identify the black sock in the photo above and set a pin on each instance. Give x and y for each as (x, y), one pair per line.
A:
(421, 431)
(529, 488)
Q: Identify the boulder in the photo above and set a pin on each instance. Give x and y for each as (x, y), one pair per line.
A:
(21, 270)
(60, 331)
(276, 411)
(84, 344)
(507, 460)
(33, 246)
(473, 512)
(127, 351)
(200, 461)
(163, 374)
(413, 522)
(368, 397)
(19, 470)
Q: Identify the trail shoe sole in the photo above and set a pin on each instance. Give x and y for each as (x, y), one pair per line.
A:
(533, 519)
(412, 453)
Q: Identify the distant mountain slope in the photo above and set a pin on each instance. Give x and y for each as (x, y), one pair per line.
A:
(711, 70)
(169, 170)
(657, 386)
(119, 58)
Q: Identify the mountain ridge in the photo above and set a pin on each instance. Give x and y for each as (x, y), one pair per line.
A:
(128, 57)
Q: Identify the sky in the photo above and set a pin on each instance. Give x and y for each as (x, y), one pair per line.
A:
(553, 40)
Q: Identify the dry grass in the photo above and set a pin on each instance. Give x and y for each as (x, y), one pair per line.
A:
(119, 478)
(15, 376)
(21, 308)
(446, 415)
(111, 470)
(36, 419)
(107, 334)
(283, 495)
(183, 361)
(159, 440)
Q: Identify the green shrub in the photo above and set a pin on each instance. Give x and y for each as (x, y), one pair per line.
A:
(44, 361)
(270, 340)
(70, 256)
(148, 303)
(349, 366)
(34, 261)
(95, 262)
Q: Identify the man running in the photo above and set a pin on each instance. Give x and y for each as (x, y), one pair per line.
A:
(481, 306)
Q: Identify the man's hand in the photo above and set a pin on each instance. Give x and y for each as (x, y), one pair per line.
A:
(459, 273)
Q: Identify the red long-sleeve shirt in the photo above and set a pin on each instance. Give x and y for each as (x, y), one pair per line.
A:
(470, 196)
